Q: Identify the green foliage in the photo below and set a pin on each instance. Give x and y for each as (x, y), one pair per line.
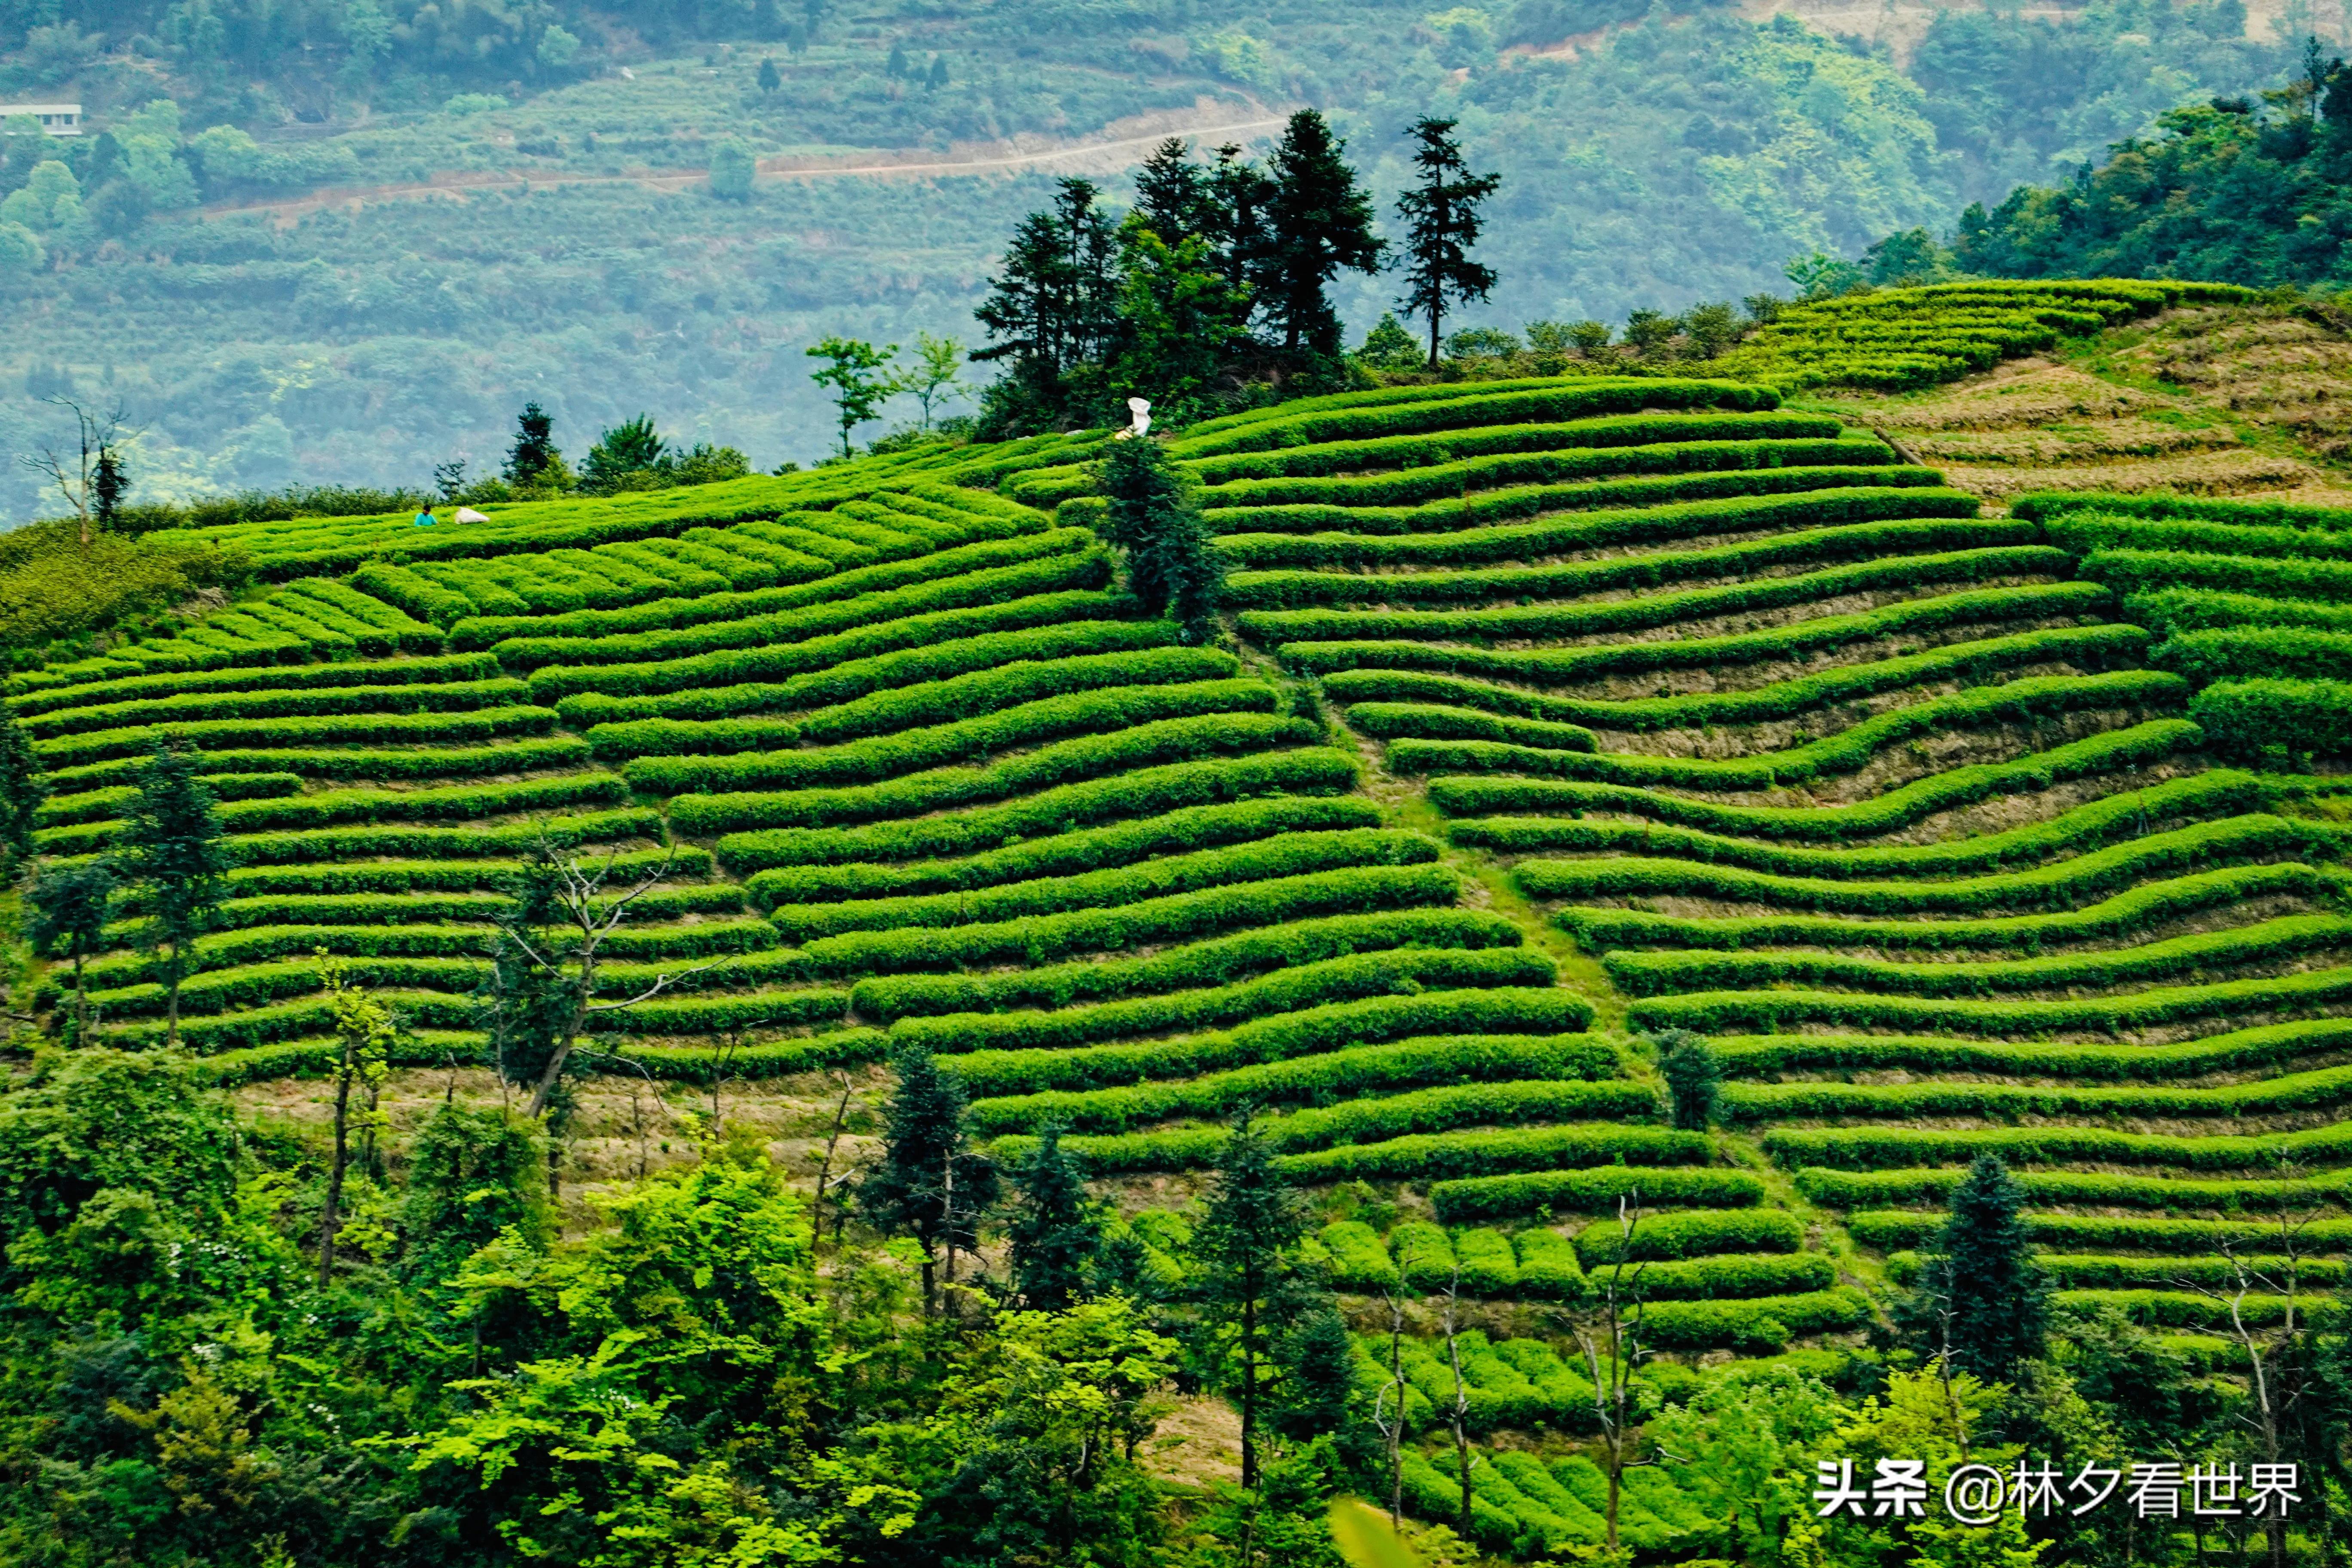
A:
(1693, 1079)
(854, 371)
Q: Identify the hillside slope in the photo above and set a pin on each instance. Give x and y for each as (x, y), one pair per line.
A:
(1557, 713)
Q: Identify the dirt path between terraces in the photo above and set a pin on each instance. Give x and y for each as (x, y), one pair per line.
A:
(1121, 145)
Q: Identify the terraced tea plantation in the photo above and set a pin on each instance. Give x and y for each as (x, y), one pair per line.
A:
(1554, 715)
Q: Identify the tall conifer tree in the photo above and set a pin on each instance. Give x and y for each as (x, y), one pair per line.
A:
(1441, 221)
(1320, 224)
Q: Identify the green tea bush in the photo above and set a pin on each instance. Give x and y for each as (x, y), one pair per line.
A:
(1752, 1104)
(2113, 750)
(1143, 745)
(1873, 1148)
(1548, 1269)
(2062, 885)
(1288, 855)
(104, 804)
(859, 678)
(2217, 792)
(2091, 647)
(2084, 533)
(1222, 961)
(1333, 979)
(2256, 652)
(148, 688)
(1863, 1189)
(1305, 424)
(1053, 809)
(454, 697)
(1697, 1233)
(1186, 828)
(480, 725)
(1762, 1323)
(1386, 719)
(1763, 1056)
(2174, 611)
(2136, 571)
(1438, 1155)
(980, 697)
(1645, 612)
(1509, 1197)
(1725, 1012)
(1413, 451)
(770, 662)
(2263, 719)
(1359, 1259)
(1935, 522)
(1849, 751)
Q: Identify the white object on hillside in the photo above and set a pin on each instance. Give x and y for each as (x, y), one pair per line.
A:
(467, 514)
(57, 119)
(1141, 408)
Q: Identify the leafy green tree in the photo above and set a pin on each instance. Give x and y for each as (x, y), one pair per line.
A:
(69, 905)
(22, 789)
(1743, 1449)
(1694, 1078)
(1175, 197)
(1152, 514)
(171, 849)
(1316, 1391)
(1318, 224)
(733, 169)
(1388, 346)
(929, 1184)
(1711, 328)
(1590, 337)
(936, 374)
(1247, 1244)
(1184, 320)
(474, 1174)
(1981, 1300)
(1650, 331)
(1031, 1455)
(365, 1033)
(632, 455)
(770, 78)
(1054, 1232)
(1441, 222)
(856, 372)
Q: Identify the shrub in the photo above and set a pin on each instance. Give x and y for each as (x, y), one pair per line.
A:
(480, 725)
(1223, 960)
(1319, 420)
(1762, 1056)
(222, 707)
(1948, 526)
(2215, 792)
(1850, 750)
(2110, 752)
(1698, 1233)
(1548, 1269)
(1121, 708)
(1507, 1196)
(439, 670)
(2276, 718)
(1066, 854)
(1054, 810)
(857, 677)
(1061, 762)
(1333, 979)
(1480, 440)
(1360, 1261)
(1513, 1016)
(2258, 652)
(1721, 1012)
(1828, 634)
(1647, 611)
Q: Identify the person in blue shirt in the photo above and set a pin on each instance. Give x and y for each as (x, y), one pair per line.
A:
(424, 518)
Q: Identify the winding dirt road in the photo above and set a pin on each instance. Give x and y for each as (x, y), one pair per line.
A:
(1121, 145)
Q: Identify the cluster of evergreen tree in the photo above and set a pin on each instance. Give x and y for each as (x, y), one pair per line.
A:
(1217, 280)
(2235, 191)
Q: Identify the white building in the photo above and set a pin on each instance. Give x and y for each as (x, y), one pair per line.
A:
(57, 119)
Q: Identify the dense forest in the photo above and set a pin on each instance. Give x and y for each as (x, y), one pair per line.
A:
(1674, 158)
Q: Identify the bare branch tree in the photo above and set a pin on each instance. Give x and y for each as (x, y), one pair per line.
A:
(1391, 1427)
(1457, 1412)
(824, 1166)
(587, 912)
(1613, 1351)
(2264, 1414)
(74, 470)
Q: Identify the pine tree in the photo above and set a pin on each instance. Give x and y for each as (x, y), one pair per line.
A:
(533, 452)
(1318, 1364)
(173, 850)
(1054, 1234)
(22, 790)
(1173, 195)
(1152, 514)
(1694, 1078)
(1247, 1244)
(1441, 224)
(1981, 1301)
(928, 1184)
(70, 904)
(1320, 224)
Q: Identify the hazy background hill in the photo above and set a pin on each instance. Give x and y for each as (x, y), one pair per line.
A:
(242, 254)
